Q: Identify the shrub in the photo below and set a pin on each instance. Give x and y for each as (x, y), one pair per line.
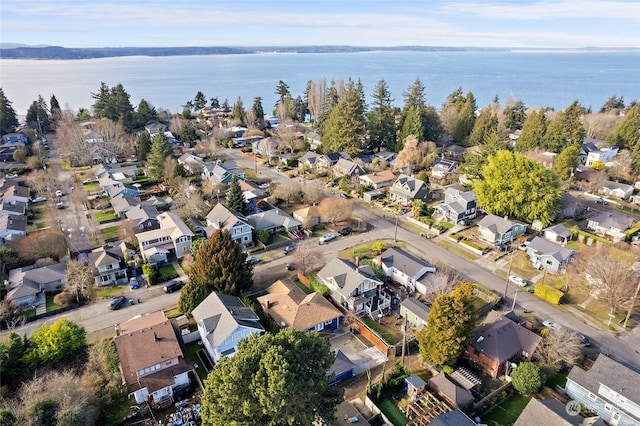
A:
(447, 369)
(263, 236)
(548, 293)
(318, 287)
(150, 273)
(527, 378)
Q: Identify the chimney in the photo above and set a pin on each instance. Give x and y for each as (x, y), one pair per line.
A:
(357, 261)
(155, 336)
(379, 261)
(219, 224)
(267, 305)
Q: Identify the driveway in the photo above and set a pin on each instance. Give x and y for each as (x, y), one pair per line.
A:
(362, 356)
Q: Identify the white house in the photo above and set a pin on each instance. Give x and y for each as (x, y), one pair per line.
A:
(221, 217)
(404, 268)
(174, 236)
(603, 155)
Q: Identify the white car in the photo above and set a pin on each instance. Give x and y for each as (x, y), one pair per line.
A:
(59, 193)
(264, 186)
(11, 175)
(39, 200)
(550, 324)
(327, 237)
(521, 282)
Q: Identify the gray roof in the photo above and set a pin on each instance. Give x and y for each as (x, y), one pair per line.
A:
(348, 166)
(143, 212)
(453, 392)
(416, 307)
(14, 206)
(406, 262)
(415, 381)
(221, 314)
(271, 218)
(125, 202)
(407, 185)
(500, 338)
(546, 412)
(616, 185)
(222, 217)
(13, 222)
(610, 373)
(560, 230)
(341, 365)
(345, 275)
(612, 220)
(496, 224)
(548, 248)
(452, 418)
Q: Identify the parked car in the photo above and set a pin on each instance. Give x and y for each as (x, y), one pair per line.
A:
(39, 200)
(551, 324)
(90, 180)
(521, 282)
(11, 175)
(172, 286)
(327, 237)
(117, 302)
(464, 222)
(59, 205)
(290, 266)
(584, 340)
(288, 249)
(252, 260)
(345, 231)
(264, 186)
(601, 201)
(134, 283)
(59, 193)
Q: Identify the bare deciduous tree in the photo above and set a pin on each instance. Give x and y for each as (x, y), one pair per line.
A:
(72, 142)
(621, 168)
(288, 190)
(411, 154)
(441, 282)
(289, 137)
(114, 140)
(308, 257)
(559, 346)
(188, 201)
(313, 192)
(316, 95)
(600, 125)
(40, 245)
(335, 209)
(208, 148)
(38, 181)
(80, 280)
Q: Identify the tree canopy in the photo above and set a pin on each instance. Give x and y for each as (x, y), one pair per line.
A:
(516, 186)
(381, 123)
(566, 129)
(51, 344)
(8, 117)
(527, 378)
(344, 129)
(272, 380)
(235, 198)
(534, 131)
(160, 149)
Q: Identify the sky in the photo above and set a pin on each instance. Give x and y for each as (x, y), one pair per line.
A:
(459, 23)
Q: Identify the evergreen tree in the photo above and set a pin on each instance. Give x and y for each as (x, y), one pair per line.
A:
(567, 129)
(143, 146)
(626, 134)
(474, 162)
(431, 124)
(114, 104)
(160, 149)
(273, 379)
(330, 102)
(215, 103)
(199, 101)
(465, 121)
(38, 116)
(8, 117)
(54, 108)
(381, 120)
(566, 162)
(258, 111)
(485, 124)
(412, 126)
(282, 90)
(451, 325)
(613, 103)
(527, 378)
(514, 116)
(144, 114)
(238, 113)
(191, 295)
(534, 131)
(225, 106)
(298, 109)
(345, 128)
(235, 197)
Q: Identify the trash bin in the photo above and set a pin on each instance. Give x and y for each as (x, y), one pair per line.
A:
(131, 301)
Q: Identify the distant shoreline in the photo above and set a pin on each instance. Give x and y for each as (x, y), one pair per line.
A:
(63, 53)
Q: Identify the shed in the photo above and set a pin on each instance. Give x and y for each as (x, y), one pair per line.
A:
(415, 386)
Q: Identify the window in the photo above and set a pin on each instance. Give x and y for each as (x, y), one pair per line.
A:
(592, 396)
(607, 407)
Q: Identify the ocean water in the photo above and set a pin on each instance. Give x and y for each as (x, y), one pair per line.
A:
(539, 79)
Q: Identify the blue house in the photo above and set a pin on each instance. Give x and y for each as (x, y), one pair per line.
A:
(342, 369)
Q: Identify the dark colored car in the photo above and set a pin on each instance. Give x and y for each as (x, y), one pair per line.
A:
(117, 302)
(288, 249)
(345, 231)
(290, 266)
(173, 286)
(601, 201)
(584, 340)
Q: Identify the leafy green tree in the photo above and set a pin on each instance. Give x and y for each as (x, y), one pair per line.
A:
(51, 344)
(273, 379)
(238, 113)
(8, 117)
(626, 134)
(225, 106)
(485, 124)
(282, 90)
(191, 295)
(7, 418)
(235, 197)
(514, 116)
(215, 103)
(19, 156)
(567, 129)
(160, 149)
(101, 376)
(431, 124)
(114, 103)
(451, 325)
(527, 378)
(474, 162)
(566, 162)
(517, 186)
(12, 354)
(534, 131)
(188, 133)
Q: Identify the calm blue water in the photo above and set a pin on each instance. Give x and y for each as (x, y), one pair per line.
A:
(537, 78)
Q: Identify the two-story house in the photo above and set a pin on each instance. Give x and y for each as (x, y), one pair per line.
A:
(415, 312)
(378, 180)
(143, 218)
(355, 288)
(458, 206)
(609, 388)
(108, 266)
(327, 161)
(223, 321)
(221, 172)
(174, 236)
(404, 268)
(221, 217)
(193, 164)
(152, 362)
(611, 224)
(405, 189)
(443, 167)
(346, 167)
(602, 155)
(547, 255)
(27, 286)
(497, 230)
(16, 193)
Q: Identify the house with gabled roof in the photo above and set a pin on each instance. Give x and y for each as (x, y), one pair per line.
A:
(406, 189)
(16, 193)
(609, 388)
(378, 180)
(222, 217)
(144, 218)
(499, 342)
(15, 137)
(558, 234)
(152, 361)
(353, 287)
(548, 255)
(308, 160)
(443, 167)
(174, 236)
(155, 128)
(604, 155)
(459, 205)
(308, 216)
(455, 396)
(549, 411)
(120, 189)
(314, 140)
(341, 369)
(221, 172)
(498, 230)
(108, 266)
(611, 224)
(404, 268)
(223, 320)
(415, 312)
(589, 145)
(191, 163)
(124, 202)
(12, 227)
(616, 189)
(289, 306)
(327, 161)
(28, 285)
(273, 221)
(344, 167)
(13, 208)
(454, 151)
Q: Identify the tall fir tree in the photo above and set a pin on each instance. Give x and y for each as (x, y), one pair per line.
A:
(514, 116)
(8, 117)
(160, 149)
(238, 113)
(567, 129)
(235, 197)
(534, 131)
(484, 125)
(626, 133)
(258, 111)
(381, 123)
(345, 128)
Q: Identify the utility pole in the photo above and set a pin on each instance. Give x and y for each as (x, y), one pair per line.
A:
(515, 295)
(404, 338)
(633, 303)
(506, 282)
(395, 235)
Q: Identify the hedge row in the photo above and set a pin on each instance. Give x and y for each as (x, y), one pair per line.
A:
(548, 293)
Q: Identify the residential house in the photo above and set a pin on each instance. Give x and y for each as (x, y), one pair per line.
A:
(386, 156)
(454, 151)
(589, 145)
(223, 321)
(547, 255)
(13, 208)
(514, 136)
(314, 140)
(404, 268)
(446, 389)
(118, 172)
(27, 286)
(222, 172)
(221, 217)
(144, 218)
(159, 203)
(289, 306)
(548, 411)
(609, 388)
(611, 224)
(193, 164)
(602, 155)
(16, 193)
(327, 161)
(155, 128)
(558, 234)
(415, 312)
(415, 386)
(497, 230)
(266, 148)
(499, 342)
(125, 202)
(341, 369)
(152, 363)
(273, 221)
(174, 236)
(344, 167)
(121, 189)
(616, 189)
(247, 186)
(8, 149)
(243, 141)
(378, 180)
(406, 189)
(452, 418)
(15, 137)
(308, 160)
(308, 216)
(354, 288)
(443, 167)
(458, 206)
(12, 227)
(108, 266)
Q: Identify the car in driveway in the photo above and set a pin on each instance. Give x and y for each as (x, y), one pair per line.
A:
(59, 193)
(288, 249)
(117, 302)
(550, 324)
(264, 186)
(90, 180)
(134, 283)
(519, 281)
(11, 176)
(39, 200)
(252, 260)
(172, 286)
(345, 231)
(327, 237)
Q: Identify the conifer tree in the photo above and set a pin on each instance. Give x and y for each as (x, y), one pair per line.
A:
(160, 149)
(626, 134)
(534, 131)
(8, 117)
(235, 197)
(567, 129)
(514, 116)
(380, 119)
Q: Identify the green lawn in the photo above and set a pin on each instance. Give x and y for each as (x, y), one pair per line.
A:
(507, 413)
(110, 232)
(389, 336)
(108, 291)
(557, 380)
(303, 287)
(166, 273)
(192, 353)
(104, 216)
(51, 306)
(393, 413)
